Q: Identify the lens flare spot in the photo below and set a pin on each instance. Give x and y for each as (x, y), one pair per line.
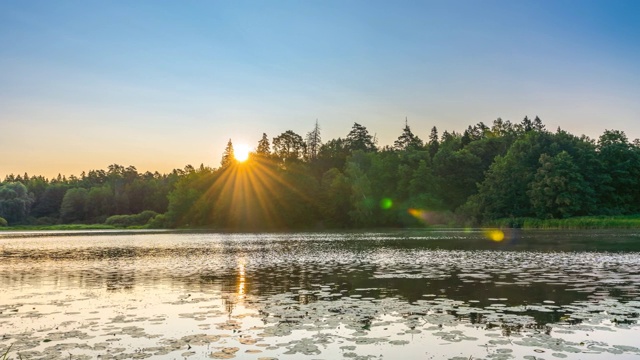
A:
(428, 217)
(496, 235)
(416, 213)
(386, 203)
(419, 214)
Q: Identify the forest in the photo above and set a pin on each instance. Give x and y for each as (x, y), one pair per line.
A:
(501, 173)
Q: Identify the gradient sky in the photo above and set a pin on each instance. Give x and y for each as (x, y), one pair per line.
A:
(162, 84)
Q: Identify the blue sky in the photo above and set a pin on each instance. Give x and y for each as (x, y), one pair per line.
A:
(161, 84)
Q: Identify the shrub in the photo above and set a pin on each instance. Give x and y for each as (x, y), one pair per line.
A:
(131, 220)
(46, 220)
(160, 221)
(3, 222)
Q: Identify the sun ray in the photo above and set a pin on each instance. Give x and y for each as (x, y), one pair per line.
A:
(247, 196)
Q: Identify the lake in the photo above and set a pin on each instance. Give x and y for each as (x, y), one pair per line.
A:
(410, 294)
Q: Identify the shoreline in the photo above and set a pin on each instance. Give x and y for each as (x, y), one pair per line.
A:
(578, 223)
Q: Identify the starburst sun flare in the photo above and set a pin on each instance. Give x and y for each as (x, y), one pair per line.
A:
(241, 152)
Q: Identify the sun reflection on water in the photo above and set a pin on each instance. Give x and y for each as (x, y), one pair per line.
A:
(241, 278)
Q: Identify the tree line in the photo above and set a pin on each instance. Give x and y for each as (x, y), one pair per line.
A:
(91, 198)
(506, 170)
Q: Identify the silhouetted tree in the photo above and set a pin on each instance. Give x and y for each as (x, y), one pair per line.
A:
(264, 148)
(314, 142)
(288, 146)
(360, 139)
(227, 155)
(407, 139)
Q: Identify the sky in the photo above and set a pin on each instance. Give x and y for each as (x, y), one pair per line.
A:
(162, 84)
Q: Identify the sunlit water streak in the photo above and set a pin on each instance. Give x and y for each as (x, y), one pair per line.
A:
(428, 294)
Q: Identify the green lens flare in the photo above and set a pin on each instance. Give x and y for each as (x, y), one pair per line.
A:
(386, 203)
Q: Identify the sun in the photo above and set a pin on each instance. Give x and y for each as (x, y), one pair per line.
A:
(241, 152)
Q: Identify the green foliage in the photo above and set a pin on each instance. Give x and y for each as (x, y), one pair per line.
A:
(90, 198)
(62, 227)
(187, 204)
(160, 221)
(332, 155)
(131, 220)
(74, 203)
(334, 203)
(581, 222)
(100, 204)
(423, 188)
(457, 173)
(558, 190)
(360, 139)
(48, 204)
(620, 160)
(46, 221)
(433, 144)
(15, 202)
(362, 199)
(407, 140)
(289, 146)
(504, 189)
(3, 222)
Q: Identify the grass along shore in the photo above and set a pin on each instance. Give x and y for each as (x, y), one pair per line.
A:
(59, 227)
(582, 222)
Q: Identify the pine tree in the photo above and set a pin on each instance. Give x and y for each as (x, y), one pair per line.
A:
(314, 142)
(526, 125)
(407, 140)
(360, 139)
(264, 148)
(433, 142)
(537, 124)
(227, 155)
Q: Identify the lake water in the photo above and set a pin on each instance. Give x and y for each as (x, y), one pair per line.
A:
(393, 295)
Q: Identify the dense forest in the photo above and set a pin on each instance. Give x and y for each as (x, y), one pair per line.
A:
(503, 171)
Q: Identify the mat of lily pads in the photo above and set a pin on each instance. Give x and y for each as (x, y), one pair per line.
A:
(316, 296)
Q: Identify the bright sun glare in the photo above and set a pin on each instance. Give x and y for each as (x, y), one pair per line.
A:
(241, 152)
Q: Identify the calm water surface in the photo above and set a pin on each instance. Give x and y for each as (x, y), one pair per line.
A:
(404, 294)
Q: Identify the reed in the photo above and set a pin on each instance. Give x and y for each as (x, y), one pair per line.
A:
(5, 356)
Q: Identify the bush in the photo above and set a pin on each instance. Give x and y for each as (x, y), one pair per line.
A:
(131, 220)
(45, 220)
(158, 222)
(3, 222)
